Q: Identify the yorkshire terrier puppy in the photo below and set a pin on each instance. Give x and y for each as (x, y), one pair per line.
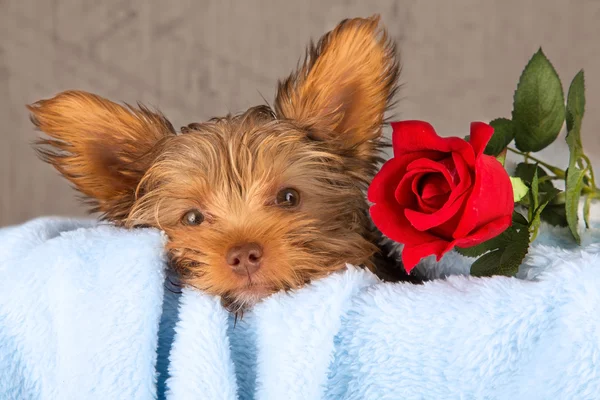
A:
(253, 203)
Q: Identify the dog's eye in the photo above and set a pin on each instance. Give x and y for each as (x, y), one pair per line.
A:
(192, 217)
(288, 198)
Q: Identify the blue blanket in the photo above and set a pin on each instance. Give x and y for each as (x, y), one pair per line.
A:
(84, 314)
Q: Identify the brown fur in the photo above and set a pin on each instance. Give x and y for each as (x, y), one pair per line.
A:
(322, 138)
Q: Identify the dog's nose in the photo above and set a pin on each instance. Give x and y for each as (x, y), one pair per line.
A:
(245, 259)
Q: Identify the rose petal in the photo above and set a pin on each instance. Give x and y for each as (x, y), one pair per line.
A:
(411, 255)
(425, 167)
(486, 232)
(386, 213)
(491, 197)
(463, 174)
(441, 166)
(457, 171)
(424, 219)
(421, 204)
(434, 203)
(434, 190)
(457, 197)
(406, 194)
(481, 235)
(390, 220)
(447, 229)
(423, 222)
(481, 133)
(384, 183)
(411, 136)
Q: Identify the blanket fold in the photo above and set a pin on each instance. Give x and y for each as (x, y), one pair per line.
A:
(79, 311)
(84, 314)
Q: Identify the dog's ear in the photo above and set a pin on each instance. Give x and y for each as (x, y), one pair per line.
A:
(344, 86)
(103, 148)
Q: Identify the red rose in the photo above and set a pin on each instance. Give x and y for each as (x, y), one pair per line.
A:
(437, 193)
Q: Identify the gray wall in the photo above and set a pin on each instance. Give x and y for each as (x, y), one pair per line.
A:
(197, 59)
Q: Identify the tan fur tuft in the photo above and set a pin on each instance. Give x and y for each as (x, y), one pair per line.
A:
(103, 148)
(344, 86)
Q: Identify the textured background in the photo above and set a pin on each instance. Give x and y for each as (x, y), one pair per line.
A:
(197, 59)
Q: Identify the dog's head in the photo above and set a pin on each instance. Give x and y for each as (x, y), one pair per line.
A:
(252, 203)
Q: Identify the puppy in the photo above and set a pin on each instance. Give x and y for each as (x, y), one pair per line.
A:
(253, 203)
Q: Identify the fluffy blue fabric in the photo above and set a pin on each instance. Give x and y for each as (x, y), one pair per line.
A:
(84, 315)
(79, 311)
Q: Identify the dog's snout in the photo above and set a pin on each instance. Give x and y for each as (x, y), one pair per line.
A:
(245, 258)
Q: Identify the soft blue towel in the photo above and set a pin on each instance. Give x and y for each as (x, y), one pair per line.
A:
(84, 315)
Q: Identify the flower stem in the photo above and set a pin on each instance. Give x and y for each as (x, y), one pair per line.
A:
(589, 167)
(557, 171)
(588, 189)
(550, 178)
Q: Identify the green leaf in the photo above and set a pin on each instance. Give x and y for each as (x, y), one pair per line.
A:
(518, 222)
(502, 157)
(519, 219)
(574, 184)
(486, 264)
(533, 199)
(538, 106)
(555, 214)
(575, 175)
(575, 111)
(480, 249)
(503, 254)
(559, 199)
(514, 253)
(519, 188)
(507, 257)
(576, 105)
(504, 133)
(543, 202)
(526, 171)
